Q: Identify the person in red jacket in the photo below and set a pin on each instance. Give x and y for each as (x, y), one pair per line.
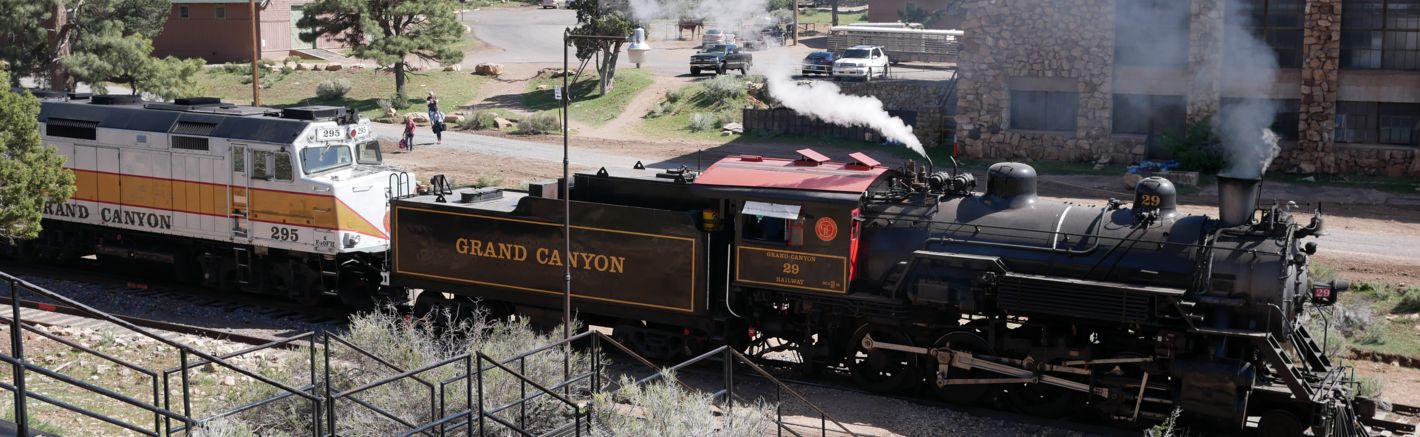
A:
(408, 133)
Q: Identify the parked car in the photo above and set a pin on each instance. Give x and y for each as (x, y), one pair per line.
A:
(717, 36)
(865, 62)
(720, 58)
(554, 4)
(819, 63)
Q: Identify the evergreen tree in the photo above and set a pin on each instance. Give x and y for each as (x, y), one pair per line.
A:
(31, 174)
(388, 31)
(594, 18)
(107, 55)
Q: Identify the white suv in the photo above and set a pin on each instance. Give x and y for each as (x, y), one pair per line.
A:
(865, 62)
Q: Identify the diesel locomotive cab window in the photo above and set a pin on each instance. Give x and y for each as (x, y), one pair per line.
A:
(369, 153)
(319, 159)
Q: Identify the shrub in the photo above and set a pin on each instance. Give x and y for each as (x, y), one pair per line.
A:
(660, 109)
(480, 120)
(724, 87)
(286, 69)
(702, 121)
(331, 89)
(675, 95)
(666, 408)
(728, 116)
(1197, 148)
(399, 102)
(541, 123)
(236, 68)
(291, 60)
(1321, 272)
(1409, 301)
(1369, 386)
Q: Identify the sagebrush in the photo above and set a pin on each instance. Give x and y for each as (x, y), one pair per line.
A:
(545, 122)
(331, 89)
(666, 408)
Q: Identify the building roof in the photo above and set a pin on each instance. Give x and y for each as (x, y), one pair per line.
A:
(811, 171)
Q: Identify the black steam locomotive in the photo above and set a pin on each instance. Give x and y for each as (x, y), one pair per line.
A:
(912, 281)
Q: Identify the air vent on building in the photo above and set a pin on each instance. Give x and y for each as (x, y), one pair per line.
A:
(63, 127)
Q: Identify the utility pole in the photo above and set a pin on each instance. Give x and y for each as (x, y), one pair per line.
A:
(796, 22)
(255, 56)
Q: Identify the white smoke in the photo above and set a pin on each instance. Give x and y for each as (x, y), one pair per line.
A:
(825, 101)
(730, 15)
(1249, 68)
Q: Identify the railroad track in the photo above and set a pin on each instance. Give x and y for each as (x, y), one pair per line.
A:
(286, 318)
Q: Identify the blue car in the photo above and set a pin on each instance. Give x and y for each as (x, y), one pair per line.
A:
(819, 63)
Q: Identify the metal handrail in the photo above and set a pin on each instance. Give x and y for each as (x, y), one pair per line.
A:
(331, 398)
(21, 366)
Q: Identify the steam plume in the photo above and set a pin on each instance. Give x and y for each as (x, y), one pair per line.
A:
(825, 101)
(1249, 68)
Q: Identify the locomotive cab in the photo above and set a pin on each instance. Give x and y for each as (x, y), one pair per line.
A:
(796, 221)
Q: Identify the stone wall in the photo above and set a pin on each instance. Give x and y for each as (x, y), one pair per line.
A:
(928, 98)
(1013, 39)
(1007, 40)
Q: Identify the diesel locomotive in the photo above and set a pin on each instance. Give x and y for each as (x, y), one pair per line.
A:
(911, 280)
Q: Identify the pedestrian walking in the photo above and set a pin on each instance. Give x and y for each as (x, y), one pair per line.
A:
(408, 142)
(437, 123)
(433, 103)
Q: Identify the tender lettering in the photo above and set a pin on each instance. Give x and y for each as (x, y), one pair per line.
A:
(544, 256)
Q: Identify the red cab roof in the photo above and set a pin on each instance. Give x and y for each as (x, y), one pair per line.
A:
(811, 171)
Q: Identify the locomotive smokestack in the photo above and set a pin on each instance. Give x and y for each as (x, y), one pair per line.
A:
(1237, 199)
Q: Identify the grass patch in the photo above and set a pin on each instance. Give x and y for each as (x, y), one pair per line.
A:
(672, 116)
(588, 105)
(825, 18)
(298, 88)
(1379, 183)
(1376, 318)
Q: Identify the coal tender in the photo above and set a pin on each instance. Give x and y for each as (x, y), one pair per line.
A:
(912, 280)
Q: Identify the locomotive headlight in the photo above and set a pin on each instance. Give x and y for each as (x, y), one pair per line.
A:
(351, 240)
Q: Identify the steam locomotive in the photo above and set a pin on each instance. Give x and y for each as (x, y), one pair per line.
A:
(911, 280)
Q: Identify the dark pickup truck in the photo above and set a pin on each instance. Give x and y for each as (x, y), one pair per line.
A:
(720, 58)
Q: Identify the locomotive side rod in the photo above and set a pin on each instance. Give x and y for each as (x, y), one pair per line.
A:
(968, 361)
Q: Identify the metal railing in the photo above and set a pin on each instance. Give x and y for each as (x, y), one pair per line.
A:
(729, 358)
(163, 415)
(474, 412)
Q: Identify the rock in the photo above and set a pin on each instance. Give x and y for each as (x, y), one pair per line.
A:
(207, 368)
(488, 69)
(541, 87)
(552, 72)
(455, 67)
(502, 123)
(391, 113)
(733, 128)
(1306, 167)
(1309, 179)
(334, 67)
(229, 381)
(1132, 179)
(357, 67)
(453, 119)
(420, 118)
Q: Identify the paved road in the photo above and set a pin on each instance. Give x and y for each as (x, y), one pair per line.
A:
(534, 36)
(511, 148)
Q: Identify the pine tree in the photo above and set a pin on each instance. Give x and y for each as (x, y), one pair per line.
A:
(31, 174)
(93, 41)
(597, 19)
(388, 32)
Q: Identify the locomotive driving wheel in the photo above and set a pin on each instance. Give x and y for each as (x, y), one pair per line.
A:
(960, 394)
(880, 370)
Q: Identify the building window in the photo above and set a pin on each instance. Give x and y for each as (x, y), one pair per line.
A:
(1145, 114)
(182, 12)
(1151, 33)
(1286, 123)
(1278, 23)
(1378, 123)
(221, 13)
(1380, 34)
(1044, 110)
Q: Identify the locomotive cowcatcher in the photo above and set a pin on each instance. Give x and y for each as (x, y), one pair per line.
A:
(911, 280)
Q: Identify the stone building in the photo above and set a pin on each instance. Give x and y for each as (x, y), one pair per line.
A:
(1081, 79)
